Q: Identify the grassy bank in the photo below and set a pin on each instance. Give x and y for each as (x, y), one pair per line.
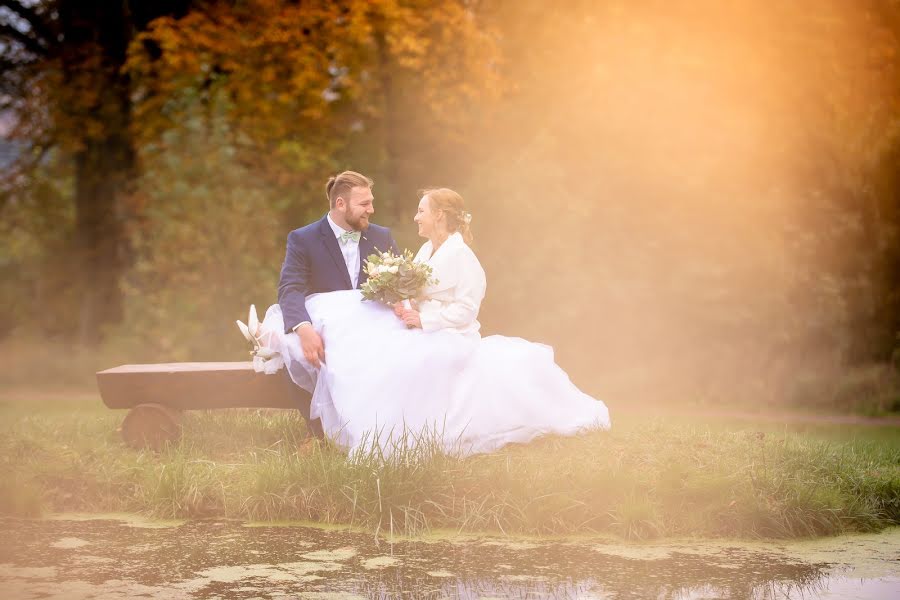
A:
(643, 479)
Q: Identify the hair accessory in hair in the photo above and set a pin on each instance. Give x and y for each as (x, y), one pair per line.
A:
(467, 217)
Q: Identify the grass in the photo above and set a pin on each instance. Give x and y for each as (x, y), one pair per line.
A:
(641, 480)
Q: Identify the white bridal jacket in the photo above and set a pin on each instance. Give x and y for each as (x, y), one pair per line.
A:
(454, 300)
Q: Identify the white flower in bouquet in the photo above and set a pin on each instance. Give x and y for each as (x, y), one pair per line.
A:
(393, 278)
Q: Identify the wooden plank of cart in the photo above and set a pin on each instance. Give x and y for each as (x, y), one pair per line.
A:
(157, 394)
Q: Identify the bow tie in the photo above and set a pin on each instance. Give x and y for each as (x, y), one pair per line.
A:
(348, 236)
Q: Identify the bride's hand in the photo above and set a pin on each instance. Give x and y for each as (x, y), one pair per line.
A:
(400, 308)
(412, 318)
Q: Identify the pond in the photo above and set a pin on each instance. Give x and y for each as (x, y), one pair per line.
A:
(75, 557)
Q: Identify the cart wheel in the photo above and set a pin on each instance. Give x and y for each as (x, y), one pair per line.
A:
(151, 426)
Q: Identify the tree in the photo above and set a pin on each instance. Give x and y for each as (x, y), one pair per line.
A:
(64, 84)
(379, 84)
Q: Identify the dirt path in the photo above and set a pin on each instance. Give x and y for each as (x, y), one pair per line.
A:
(778, 416)
(90, 396)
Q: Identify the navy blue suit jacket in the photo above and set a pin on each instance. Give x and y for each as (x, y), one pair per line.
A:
(313, 264)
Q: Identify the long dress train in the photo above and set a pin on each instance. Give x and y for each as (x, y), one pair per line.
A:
(385, 384)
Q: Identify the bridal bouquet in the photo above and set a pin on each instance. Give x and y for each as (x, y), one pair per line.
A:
(393, 278)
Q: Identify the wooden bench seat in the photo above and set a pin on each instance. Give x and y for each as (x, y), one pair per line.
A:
(157, 393)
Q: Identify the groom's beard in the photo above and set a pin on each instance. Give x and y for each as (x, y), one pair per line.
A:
(360, 223)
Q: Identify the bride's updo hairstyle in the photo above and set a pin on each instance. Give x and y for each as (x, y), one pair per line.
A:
(454, 209)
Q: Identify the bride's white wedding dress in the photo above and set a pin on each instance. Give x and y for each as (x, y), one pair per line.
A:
(444, 382)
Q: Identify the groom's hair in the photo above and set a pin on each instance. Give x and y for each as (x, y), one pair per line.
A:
(342, 183)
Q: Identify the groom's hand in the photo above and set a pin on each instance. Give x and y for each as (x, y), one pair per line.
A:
(311, 342)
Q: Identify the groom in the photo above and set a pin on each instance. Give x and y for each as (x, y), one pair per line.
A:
(327, 256)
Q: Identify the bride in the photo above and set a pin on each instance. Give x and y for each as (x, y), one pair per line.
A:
(425, 374)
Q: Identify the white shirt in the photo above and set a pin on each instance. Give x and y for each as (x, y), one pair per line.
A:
(453, 302)
(349, 249)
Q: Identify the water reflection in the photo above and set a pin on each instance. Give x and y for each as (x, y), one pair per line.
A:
(111, 559)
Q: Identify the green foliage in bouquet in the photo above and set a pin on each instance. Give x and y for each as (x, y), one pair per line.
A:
(393, 278)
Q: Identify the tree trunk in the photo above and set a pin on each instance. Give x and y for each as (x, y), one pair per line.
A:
(389, 127)
(102, 171)
(96, 35)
